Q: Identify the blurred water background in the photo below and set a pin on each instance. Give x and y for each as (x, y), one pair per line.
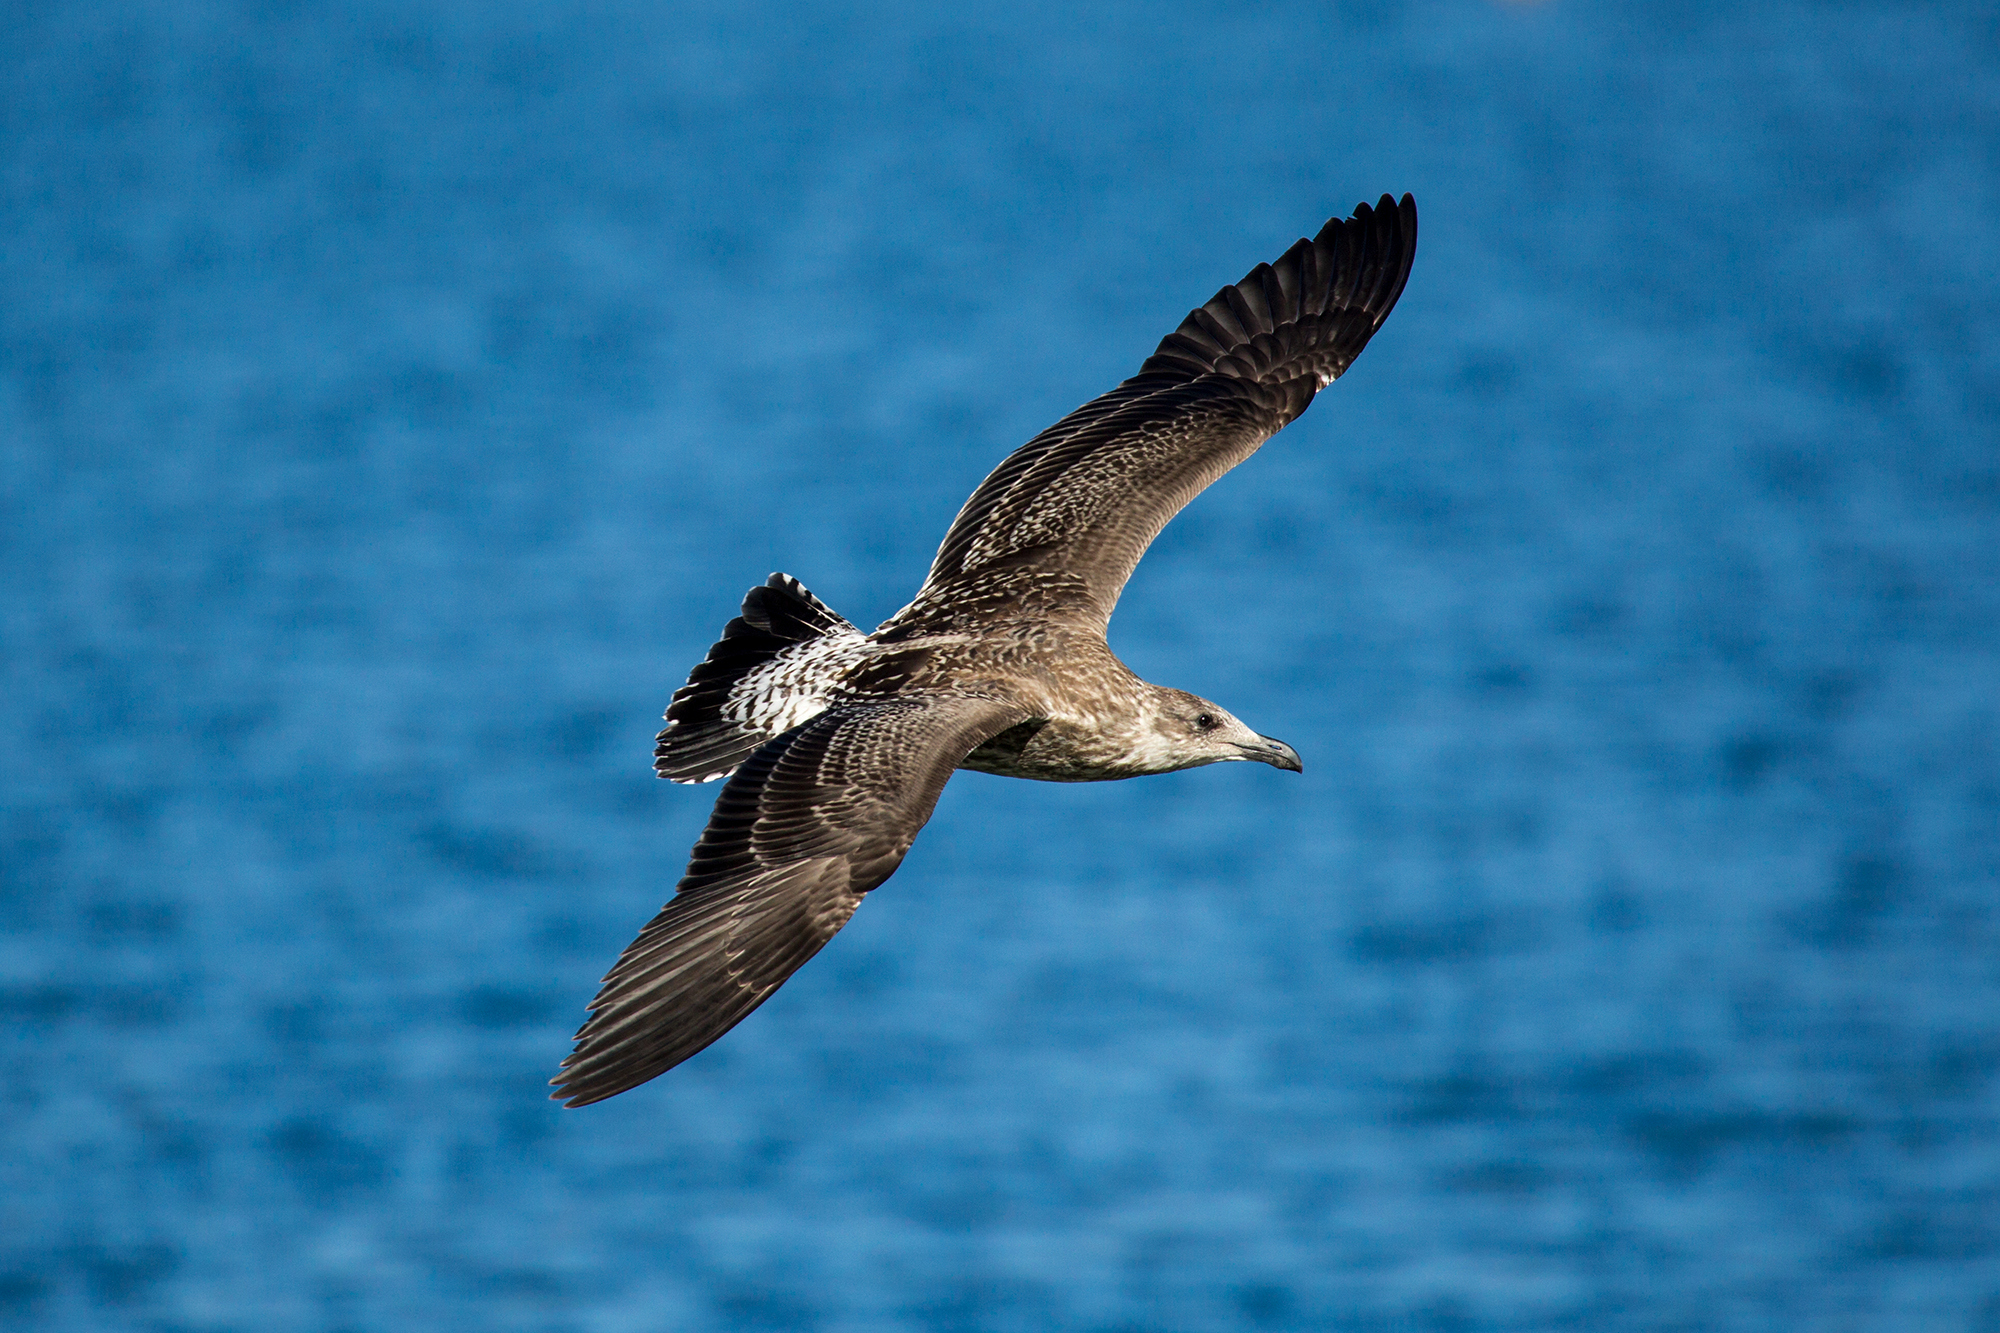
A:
(398, 398)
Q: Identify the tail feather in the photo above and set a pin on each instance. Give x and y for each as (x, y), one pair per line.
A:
(717, 720)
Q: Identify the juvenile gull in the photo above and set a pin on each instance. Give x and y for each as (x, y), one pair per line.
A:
(837, 743)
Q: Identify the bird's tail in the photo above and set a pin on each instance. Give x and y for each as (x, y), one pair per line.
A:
(764, 676)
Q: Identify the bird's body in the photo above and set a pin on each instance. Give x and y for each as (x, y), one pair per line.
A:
(837, 742)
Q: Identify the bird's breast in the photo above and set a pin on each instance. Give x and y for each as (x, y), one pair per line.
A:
(1049, 750)
(1077, 695)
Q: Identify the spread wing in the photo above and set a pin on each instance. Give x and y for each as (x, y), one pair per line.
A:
(1080, 502)
(811, 821)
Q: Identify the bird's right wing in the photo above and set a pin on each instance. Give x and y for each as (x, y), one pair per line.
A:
(810, 822)
(1065, 517)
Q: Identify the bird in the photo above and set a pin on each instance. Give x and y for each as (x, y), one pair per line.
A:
(835, 744)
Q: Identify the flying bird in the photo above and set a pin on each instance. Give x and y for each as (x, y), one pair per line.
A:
(836, 743)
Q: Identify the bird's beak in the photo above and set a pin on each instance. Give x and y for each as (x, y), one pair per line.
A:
(1275, 753)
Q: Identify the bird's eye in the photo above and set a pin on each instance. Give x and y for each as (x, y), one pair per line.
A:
(1206, 721)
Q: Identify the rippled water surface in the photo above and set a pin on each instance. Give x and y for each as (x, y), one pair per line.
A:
(397, 398)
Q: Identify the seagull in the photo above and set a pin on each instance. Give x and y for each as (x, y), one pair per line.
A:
(836, 743)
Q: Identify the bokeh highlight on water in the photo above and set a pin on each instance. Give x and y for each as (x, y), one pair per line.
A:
(398, 398)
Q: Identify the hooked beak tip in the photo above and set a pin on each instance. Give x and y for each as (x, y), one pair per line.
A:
(1276, 753)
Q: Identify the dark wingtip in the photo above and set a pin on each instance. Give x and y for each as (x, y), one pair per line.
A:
(567, 1092)
(1312, 311)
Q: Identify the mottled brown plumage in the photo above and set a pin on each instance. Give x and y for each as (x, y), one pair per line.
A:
(837, 743)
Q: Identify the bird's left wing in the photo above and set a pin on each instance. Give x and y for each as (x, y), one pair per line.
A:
(813, 820)
(1057, 528)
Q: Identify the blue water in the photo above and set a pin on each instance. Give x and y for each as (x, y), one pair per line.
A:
(398, 398)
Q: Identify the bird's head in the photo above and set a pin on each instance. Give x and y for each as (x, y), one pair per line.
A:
(1187, 731)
